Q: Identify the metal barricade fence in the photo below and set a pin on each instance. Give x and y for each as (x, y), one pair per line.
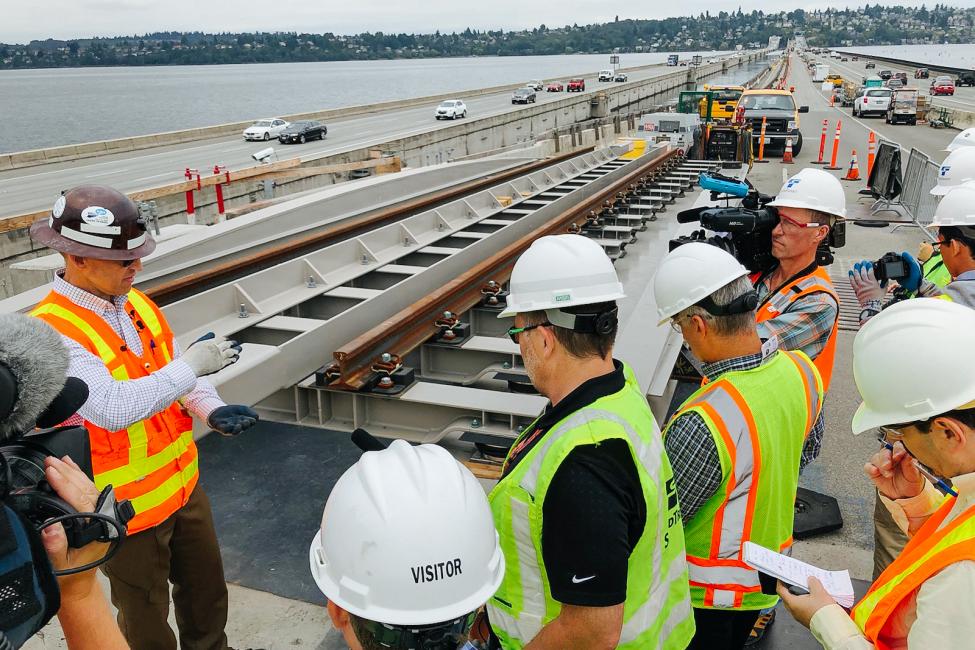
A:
(920, 176)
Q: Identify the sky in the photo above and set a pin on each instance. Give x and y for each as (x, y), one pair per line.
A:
(24, 20)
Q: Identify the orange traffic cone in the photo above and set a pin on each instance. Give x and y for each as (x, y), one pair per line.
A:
(854, 173)
(787, 154)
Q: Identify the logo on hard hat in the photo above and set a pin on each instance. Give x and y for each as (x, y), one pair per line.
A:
(944, 170)
(58, 209)
(97, 215)
(562, 297)
(792, 182)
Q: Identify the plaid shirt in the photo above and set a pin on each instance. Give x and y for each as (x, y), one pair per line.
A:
(805, 325)
(694, 455)
(116, 405)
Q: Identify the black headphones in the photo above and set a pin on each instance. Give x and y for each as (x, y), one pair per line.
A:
(602, 323)
(743, 304)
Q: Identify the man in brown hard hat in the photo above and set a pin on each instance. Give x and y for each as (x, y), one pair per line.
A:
(143, 391)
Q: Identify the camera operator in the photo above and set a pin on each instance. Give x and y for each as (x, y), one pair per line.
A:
(797, 302)
(33, 362)
(143, 390)
(955, 221)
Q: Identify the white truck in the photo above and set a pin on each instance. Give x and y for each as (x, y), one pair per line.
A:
(606, 75)
(820, 71)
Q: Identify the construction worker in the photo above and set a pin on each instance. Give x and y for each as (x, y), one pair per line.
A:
(933, 267)
(586, 507)
(955, 221)
(913, 368)
(407, 552)
(142, 392)
(736, 445)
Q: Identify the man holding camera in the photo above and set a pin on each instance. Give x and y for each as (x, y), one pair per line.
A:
(955, 220)
(142, 391)
(913, 368)
(737, 444)
(586, 507)
(797, 303)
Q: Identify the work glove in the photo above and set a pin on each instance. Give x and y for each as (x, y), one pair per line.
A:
(231, 419)
(207, 354)
(865, 284)
(913, 280)
(924, 251)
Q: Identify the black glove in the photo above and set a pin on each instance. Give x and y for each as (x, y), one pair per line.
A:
(231, 419)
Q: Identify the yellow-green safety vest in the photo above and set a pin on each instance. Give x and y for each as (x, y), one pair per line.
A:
(759, 420)
(657, 610)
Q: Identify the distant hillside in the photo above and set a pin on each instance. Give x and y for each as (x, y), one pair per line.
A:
(869, 25)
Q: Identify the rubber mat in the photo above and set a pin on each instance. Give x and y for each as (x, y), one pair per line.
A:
(267, 488)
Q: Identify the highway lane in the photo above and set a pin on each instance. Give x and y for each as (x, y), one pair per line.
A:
(963, 99)
(34, 188)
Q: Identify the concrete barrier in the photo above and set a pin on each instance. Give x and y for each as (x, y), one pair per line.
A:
(91, 149)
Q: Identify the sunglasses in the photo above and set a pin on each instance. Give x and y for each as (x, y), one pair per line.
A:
(514, 332)
(125, 263)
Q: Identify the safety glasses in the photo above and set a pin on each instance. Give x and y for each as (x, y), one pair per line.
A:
(788, 221)
(125, 263)
(514, 332)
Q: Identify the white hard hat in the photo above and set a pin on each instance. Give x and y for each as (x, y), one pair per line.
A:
(691, 273)
(913, 361)
(813, 189)
(407, 538)
(957, 169)
(957, 207)
(559, 271)
(964, 139)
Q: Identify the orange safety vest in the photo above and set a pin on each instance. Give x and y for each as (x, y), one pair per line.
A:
(777, 303)
(153, 462)
(928, 552)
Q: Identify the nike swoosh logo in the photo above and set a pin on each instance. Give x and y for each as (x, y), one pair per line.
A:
(576, 580)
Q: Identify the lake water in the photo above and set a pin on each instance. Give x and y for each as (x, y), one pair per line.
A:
(949, 56)
(44, 108)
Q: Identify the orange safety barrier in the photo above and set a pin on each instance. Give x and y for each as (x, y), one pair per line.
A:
(836, 146)
(822, 144)
(787, 154)
(761, 144)
(854, 172)
(871, 151)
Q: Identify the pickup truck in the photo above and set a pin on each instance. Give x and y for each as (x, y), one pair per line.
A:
(781, 114)
(606, 75)
(576, 86)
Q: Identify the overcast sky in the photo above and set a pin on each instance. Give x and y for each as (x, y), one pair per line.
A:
(23, 20)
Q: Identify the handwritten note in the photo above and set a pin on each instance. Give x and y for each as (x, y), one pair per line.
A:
(797, 573)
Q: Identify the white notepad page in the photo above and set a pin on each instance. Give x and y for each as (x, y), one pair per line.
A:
(796, 572)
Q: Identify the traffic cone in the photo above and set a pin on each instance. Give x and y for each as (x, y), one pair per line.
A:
(787, 154)
(854, 173)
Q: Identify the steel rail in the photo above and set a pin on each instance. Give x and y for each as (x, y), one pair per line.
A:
(410, 328)
(172, 290)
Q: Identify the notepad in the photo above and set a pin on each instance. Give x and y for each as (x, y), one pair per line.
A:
(796, 572)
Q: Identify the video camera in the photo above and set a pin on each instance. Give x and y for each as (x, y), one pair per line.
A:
(747, 228)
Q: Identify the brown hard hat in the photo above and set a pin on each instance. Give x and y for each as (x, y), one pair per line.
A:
(95, 221)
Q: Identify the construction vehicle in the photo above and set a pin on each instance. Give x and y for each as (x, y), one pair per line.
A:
(835, 79)
(903, 106)
(724, 101)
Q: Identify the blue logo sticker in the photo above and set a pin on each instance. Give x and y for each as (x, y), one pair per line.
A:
(944, 170)
(792, 182)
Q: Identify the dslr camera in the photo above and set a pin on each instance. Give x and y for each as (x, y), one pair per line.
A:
(745, 231)
(890, 267)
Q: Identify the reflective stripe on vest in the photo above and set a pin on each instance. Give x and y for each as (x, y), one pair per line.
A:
(656, 613)
(750, 413)
(778, 303)
(928, 552)
(153, 462)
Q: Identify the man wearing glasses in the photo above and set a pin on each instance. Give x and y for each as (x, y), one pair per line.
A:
(955, 220)
(142, 390)
(586, 508)
(736, 444)
(913, 367)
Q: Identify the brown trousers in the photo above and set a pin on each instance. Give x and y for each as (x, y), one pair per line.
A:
(182, 550)
(888, 539)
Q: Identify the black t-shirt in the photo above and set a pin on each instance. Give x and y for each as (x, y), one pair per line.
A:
(594, 511)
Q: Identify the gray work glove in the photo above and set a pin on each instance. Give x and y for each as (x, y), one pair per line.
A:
(865, 284)
(207, 354)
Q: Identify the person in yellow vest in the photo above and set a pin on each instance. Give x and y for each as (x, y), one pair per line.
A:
(142, 392)
(933, 267)
(586, 507)
(913, 367)
(738, 443)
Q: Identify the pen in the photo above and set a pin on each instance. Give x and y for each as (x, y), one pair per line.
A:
(936, 481)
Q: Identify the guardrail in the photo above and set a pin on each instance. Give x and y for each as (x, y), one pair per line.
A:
(916, 64)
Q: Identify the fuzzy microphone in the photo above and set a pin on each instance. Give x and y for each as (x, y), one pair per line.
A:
(34, 388)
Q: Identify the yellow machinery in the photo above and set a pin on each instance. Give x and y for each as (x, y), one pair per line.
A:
(724, 100)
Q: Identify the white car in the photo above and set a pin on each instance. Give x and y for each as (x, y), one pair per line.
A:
(606, 75)
(451, 109)
(265, 129)
(873, 100)
(535, 85)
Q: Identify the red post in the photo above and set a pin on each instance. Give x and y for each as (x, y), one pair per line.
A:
(219, 188)
(822, 144)
(190, 210)
(836, 146)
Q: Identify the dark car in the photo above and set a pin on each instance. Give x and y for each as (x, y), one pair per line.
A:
(966, 79)
(921, 73)
(886, 74)
(869, 65)
(299, 132)
(523, 96)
